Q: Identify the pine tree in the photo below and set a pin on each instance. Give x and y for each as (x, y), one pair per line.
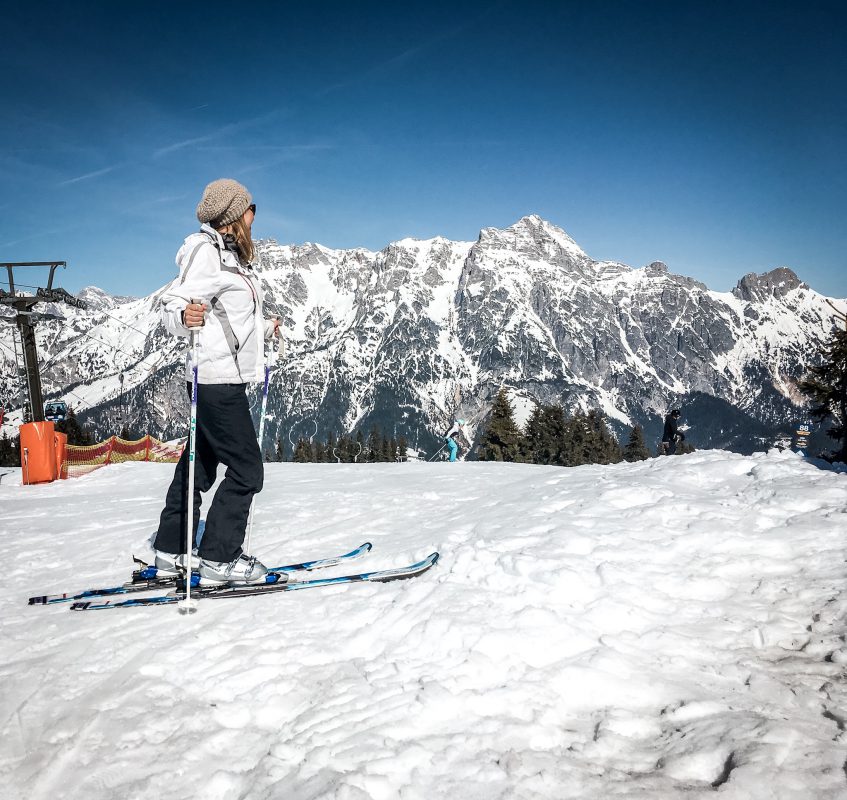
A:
(542, 442)
(303, 452)
(532, 442)
(374, 450)
(636, 448)
(587, 440)
(605, 448)
(576, 445)
(402, 449)
(501, 440)
(826, 387)
(554, 428)
(10, 451)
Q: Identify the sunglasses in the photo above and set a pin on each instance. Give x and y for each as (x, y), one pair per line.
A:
(252, 207)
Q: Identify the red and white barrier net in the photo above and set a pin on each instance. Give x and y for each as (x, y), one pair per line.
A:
(82, 460)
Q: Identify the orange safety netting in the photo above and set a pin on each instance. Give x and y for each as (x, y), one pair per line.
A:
(82, 460)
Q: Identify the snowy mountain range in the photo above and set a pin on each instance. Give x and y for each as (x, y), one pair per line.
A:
(409, 337)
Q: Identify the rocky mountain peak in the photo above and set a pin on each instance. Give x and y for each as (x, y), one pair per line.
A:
(534, 238)
(96, 299)
(776, 283)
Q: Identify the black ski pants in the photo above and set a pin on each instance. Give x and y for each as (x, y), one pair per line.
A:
(225, 435)
(669, 446)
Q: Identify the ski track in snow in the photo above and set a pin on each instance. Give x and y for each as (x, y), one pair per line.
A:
(664, 629)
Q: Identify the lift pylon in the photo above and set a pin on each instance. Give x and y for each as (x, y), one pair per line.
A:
(25, 320)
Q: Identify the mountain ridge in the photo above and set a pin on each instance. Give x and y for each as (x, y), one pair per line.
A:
(410, 335)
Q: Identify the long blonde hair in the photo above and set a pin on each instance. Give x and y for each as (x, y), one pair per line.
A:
(243, 240)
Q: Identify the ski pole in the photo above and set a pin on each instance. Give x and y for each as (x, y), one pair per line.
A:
(189, 606)
(437, 451)
(261, 436)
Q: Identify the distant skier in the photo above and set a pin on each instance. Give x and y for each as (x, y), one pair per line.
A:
(450, 437)
(671, 435)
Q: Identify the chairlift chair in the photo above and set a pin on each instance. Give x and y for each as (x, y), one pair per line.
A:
(56, 411)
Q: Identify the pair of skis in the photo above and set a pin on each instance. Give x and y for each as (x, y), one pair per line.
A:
(146, 578)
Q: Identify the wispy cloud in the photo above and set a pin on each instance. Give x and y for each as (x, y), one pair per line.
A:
(151, 206)
(386, 66)
(89, 175)
(220, 133)
(173, 148)
(41, 234)
(279, 154)
(409, 54)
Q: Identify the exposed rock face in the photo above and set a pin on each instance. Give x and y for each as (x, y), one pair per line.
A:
(776, 283)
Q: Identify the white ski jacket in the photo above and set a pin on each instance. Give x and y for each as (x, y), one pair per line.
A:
(457, 428)
(230, 347)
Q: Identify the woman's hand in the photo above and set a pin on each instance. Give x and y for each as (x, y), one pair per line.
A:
(193, 316)
(275, 321)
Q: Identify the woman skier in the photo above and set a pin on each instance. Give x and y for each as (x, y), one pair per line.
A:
(219, 290)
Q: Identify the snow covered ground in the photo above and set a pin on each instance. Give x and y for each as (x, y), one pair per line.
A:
(674, 628)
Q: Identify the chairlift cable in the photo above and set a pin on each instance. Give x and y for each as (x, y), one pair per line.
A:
(117, 319)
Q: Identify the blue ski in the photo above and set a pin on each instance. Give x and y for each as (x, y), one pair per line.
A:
(272, 584)
(146, 578)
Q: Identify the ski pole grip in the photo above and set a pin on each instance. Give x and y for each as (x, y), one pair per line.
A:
(195, 301)
(280, 348)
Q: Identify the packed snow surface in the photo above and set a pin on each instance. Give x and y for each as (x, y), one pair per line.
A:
(672, 628)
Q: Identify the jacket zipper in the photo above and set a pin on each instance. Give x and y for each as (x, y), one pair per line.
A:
(252, 290)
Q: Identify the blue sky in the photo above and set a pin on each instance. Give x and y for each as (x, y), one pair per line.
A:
(709, 135)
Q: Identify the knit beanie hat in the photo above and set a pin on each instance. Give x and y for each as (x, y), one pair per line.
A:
(224, 201)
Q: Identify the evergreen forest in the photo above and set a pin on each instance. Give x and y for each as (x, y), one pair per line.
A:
(347, 449)
(551, 437)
